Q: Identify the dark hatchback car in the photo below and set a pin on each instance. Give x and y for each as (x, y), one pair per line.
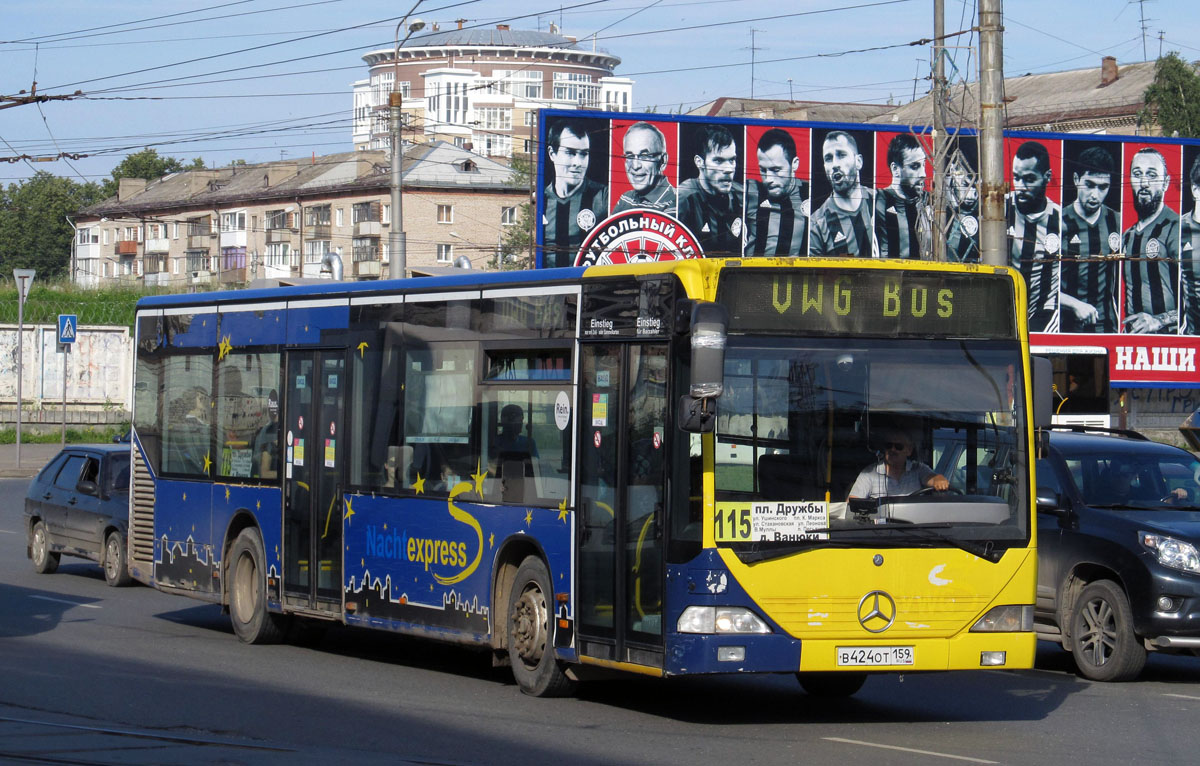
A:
(1118, 550)
(79, 506)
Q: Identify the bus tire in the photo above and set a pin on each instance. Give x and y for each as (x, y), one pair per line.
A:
(841, 684)
(45, 561)
(1102, 639)
(247, 578)
(116, 572)
(531, 633)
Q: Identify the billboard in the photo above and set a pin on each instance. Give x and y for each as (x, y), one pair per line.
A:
(1104, 229)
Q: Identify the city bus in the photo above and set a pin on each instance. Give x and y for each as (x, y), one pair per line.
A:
(641, 467)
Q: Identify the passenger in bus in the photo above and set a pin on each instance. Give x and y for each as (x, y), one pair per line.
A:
(511, 439)
(192, 435)
(266, 442)
(896, 473)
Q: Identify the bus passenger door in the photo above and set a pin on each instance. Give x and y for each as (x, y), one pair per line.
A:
(623, 451)
(312, 508)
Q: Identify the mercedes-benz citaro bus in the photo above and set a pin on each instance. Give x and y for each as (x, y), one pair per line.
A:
(667, 468)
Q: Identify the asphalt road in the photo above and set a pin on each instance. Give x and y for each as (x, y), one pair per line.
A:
(96, 675)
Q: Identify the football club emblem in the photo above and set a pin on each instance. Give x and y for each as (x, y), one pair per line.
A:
(805, 208)
(1052, 244)
(1114, 242)
(970, 225)
(636, 236)
(735, 228)
(586, 219)
(1153, 248)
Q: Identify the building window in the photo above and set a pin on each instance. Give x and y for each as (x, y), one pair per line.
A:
(233, 258)
(494, 118)
(445, 253)
(175, 230)
(493, 144)
(508, 216)
(366, 249)
(277, 219)
(364, 211)
(576, 88)
(197, 260)
(317, 215)
(277, 254)
(315, 250)
(445, 214)
(233, 221)
(521, 83)
(387, 214)
(340, 216)
(530, 118)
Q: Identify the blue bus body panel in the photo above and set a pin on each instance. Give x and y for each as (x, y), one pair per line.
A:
(265, 505)
(201, 332)
(184, 547)
(309, 326)
(467, 280)
(705, 581)
(254, 328)
(426, 565)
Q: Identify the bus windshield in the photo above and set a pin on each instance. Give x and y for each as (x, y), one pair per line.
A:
(805, 426)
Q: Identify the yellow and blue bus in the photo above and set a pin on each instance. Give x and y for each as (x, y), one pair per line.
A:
(645, 467)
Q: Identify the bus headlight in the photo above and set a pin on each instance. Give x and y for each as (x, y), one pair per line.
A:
(1011, 618)
(720, 619)
(1171, 552)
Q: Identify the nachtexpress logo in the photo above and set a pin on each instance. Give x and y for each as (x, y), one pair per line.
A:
(431, 551)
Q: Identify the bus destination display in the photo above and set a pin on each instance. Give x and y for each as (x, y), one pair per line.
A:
(881, 303)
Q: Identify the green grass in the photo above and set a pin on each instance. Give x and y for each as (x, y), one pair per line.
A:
(53, 434)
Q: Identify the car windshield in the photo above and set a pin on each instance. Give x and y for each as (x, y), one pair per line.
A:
(1146, 479)
(808, 425)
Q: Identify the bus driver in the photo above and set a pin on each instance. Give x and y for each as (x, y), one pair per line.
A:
(895, 473)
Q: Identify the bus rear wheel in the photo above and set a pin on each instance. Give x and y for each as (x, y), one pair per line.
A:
(247, 578)
(531, 633)
(832, 684)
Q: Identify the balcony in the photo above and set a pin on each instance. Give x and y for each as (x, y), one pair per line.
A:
(158, 279)
(368, 229)
(233, 276)
(158, 245)
(366, 269)
(126, 247)
(275, 236)
(318, 231)
(200, 240)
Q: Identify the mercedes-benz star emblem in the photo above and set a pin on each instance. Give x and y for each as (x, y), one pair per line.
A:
(876, 611)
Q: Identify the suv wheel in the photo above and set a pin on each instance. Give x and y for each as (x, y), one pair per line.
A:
(1102, 637)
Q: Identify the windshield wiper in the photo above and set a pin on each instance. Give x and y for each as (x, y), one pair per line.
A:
(986, 550)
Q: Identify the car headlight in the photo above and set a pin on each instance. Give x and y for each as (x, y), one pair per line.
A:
(1010, 618)
(720, 619)
(1171, 552)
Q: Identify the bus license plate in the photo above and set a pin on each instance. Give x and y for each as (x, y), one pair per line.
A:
(858, 656)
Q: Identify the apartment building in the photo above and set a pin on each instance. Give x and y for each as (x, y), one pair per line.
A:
(480, 89)
(282, 220)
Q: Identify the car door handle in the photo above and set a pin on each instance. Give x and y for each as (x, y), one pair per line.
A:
(71, 501)
(46, 496)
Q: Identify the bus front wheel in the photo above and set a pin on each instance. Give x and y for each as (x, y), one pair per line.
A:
(531, 633)
(247, 580)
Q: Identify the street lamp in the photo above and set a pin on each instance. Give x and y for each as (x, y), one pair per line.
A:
(397, 262)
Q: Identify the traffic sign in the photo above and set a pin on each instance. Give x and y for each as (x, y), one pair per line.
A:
(68, 324)
(24, 278)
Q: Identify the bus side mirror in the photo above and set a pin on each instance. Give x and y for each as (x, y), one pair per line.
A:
(1043, 398)
(698, 408)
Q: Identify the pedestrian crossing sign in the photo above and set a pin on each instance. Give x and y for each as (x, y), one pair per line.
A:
(67, 326)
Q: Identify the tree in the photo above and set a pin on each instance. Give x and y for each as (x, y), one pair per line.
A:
(1173, 99)
(516, 244)
(34, 230)
(148, 165)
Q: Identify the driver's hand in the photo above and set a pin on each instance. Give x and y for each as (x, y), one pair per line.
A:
(938, 482)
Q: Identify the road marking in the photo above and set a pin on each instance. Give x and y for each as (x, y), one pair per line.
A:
(7, 532)
(906, 749)
(64, 601)
(1183, 696)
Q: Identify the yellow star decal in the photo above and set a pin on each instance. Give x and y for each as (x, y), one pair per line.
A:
(185, 497)
(491, 540)
(349, 510)
(362, 562)
(419, 485)
(258, 505)
(478, 476)
(207, 463)
(224, 348)
(362, 348)
(562, 511)
(227, 494)
(528, 517)
(385, 526)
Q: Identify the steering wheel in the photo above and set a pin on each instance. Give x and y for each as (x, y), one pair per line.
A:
(931, 490)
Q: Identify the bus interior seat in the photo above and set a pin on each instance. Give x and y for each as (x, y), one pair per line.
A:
(516, 477)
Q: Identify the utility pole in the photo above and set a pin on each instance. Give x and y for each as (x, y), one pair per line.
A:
(991, 133)
(752, 50)
(397, 259)
(939, 133)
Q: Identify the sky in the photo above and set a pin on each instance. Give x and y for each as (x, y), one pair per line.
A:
(261, 80)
